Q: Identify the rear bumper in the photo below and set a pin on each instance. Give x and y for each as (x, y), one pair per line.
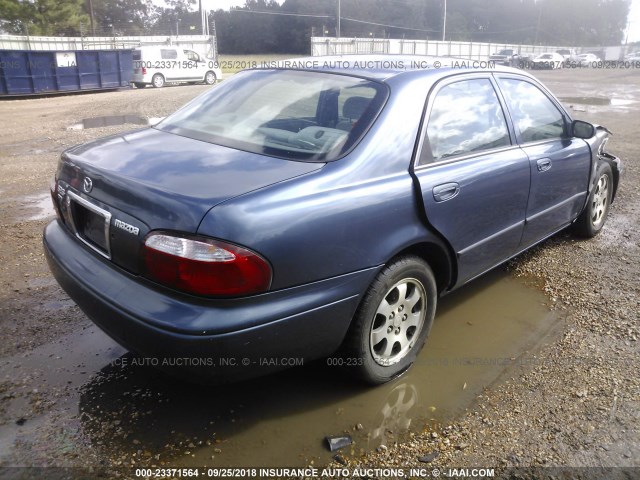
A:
(225, 340)
(140, 78)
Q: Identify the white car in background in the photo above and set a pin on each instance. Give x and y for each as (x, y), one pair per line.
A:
(568, 54)
(549, 60)
(587, 59)
(632, 57)
(158, 65)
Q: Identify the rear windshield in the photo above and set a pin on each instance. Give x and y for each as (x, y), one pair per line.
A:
(290, 114)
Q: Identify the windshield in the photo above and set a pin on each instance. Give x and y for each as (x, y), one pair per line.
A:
(289, 114)
(505, 52)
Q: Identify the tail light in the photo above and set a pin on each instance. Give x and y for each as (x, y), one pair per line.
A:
(203, 266)
(144, 70)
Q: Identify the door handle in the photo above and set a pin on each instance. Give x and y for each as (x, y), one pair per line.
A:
(544, 164)
(446, 191)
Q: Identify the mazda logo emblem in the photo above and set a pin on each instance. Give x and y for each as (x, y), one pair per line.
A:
(87, 185)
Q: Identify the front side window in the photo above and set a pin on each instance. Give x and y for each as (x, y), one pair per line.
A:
(466, 117)
(193, 56)
(534, 114)
(289, 114)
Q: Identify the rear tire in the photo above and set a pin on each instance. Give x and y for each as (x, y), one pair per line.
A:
(392, 322)
(594, 215)
(140, 85)
(210, 78)
(158, 80)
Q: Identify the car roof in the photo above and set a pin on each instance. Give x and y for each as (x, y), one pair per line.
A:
(383, 67)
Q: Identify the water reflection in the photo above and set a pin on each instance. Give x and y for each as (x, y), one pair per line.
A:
(138, 413)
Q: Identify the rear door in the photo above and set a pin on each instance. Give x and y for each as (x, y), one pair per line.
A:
(474, 180)
(560, 165)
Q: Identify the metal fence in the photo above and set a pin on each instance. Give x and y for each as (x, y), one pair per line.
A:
(204, 44)
(468, 50)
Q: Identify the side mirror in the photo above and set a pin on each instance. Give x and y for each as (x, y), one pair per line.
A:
(582, 129)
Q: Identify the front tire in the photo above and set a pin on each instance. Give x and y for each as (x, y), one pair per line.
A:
(392, 322)
(157, 80)
(594, 215)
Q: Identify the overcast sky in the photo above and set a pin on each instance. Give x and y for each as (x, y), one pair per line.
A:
(634, 22)
(633, 28)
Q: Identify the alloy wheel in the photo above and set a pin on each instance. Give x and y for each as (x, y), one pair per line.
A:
(599, 203)
(398, 321)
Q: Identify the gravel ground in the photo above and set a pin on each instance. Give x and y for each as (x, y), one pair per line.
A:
(35, 132)
(575, 402)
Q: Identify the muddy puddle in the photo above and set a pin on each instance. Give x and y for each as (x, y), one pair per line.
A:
(136, 413)
(40, 205)
(113, 120)
(30, 207)
(583, 104)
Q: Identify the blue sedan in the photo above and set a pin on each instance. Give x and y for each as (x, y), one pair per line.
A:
(318, 210)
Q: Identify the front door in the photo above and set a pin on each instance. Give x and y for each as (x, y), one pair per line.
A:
(560, 165)
(474, 180)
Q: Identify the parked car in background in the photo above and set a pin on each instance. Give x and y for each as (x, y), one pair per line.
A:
(507, 56)
(568, 54)
(297, 214)
(158, 65)
(587, 60)
(549, 60)
(632, 57)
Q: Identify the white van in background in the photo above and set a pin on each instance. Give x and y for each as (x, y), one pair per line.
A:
(157, 65)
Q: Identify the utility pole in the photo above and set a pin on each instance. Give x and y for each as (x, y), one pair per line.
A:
(338, 18)
(444, 21)
(205, 22)
(93, 29)
(535, 42)
(214, 36)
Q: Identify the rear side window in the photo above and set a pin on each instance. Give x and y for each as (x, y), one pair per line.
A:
(534, 114)
(466, 117)
(168, 54)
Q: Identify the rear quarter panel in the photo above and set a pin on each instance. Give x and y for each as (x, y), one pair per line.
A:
(354, 213)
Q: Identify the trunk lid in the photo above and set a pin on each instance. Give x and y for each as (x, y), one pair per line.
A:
(151, 180)
(169, 181)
